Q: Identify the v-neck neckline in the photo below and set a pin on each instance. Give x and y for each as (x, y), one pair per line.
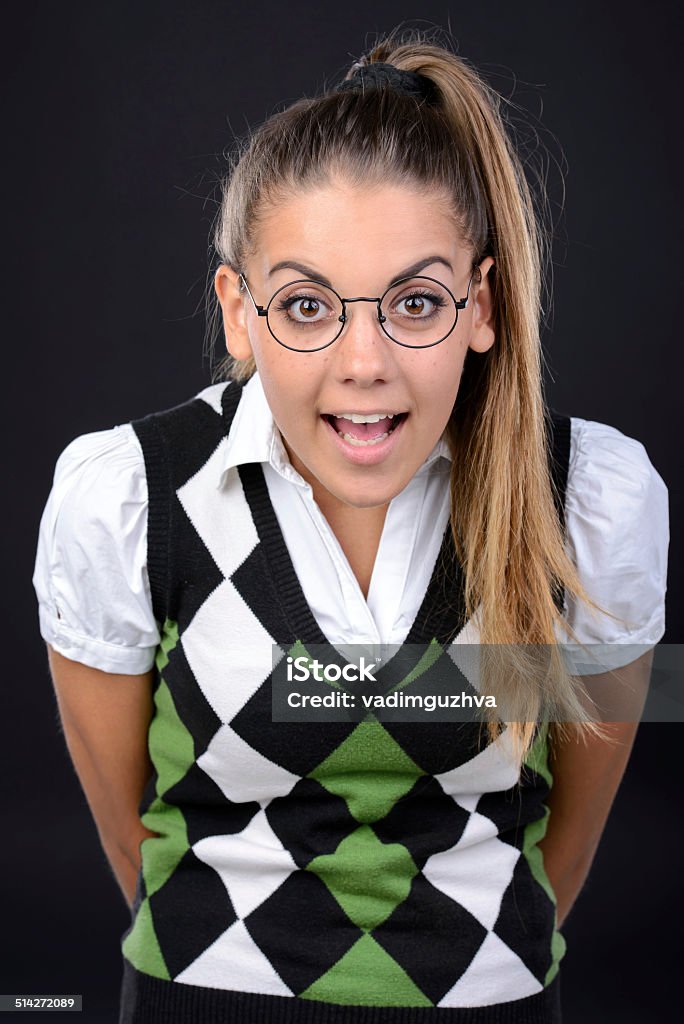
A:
(440, 616)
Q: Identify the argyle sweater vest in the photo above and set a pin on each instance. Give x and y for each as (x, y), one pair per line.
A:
(347, 871)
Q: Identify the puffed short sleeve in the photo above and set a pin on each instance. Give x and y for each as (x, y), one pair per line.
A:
(618, 536)
(90, 572)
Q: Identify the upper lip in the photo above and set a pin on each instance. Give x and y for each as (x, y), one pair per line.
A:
(371, 412)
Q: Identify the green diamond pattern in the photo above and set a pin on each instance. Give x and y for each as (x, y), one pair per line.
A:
(367, 877)
(369, 770)
(361, 973)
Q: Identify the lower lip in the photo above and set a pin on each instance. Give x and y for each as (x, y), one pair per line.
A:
(370, 454)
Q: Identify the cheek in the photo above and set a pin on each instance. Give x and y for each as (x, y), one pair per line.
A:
(439, 381)
(290, 388)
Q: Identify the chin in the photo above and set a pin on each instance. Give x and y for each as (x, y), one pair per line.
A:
(365, 496)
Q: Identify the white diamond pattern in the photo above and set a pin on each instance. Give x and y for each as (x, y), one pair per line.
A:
(234, 961)
(220, 515)
(495, 974)
(227, 670)
(252, 863)
(492, 770)
(241, 772)
(476, 876)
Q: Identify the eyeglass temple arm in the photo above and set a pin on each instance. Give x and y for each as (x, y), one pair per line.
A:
(260, 309)
(462, 303)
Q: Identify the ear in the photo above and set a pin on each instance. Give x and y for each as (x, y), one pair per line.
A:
(231, 297)
(482, 297)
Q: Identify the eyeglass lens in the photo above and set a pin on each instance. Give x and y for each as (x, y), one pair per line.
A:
(306, 315)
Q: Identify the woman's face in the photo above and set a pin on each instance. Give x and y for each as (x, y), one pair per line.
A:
(359, 239)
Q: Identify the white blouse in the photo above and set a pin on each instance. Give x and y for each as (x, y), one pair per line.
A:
(91, 565)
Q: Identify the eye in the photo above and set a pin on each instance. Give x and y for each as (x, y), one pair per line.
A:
(304, 309)
(418, 305)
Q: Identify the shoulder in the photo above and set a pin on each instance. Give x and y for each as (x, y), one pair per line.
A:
(617, 532)
(98, 498)
(207, 407)
(100, 467)
(605, 462)
(104, 476)
(176, 441)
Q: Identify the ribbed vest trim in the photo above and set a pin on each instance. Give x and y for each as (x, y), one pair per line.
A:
(159, 510)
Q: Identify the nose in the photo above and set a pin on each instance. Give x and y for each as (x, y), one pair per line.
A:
(363, 350)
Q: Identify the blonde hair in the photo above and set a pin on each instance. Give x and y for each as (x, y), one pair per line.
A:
(505, 526)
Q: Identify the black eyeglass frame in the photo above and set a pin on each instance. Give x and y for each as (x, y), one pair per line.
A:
(263, 310)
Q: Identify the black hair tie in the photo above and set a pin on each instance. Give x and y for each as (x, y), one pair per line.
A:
(386, 76)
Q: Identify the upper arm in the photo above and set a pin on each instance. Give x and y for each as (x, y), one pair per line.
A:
(105, 718)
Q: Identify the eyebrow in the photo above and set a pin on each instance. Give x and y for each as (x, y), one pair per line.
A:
(309, 272)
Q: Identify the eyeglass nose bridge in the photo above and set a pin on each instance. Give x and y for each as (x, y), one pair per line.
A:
(362, 298)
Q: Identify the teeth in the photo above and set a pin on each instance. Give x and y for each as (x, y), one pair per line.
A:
(358, 443)
(357, 417)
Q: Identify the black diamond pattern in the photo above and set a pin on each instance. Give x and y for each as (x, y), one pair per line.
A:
(525, 921)
(425, 820)
(204, 577)
(302, 930)
(189, 912)
(192, 706)
(262, 600)
(309, 821)
(449, 938)
(206, 809)
(296, 746)
(437, 746)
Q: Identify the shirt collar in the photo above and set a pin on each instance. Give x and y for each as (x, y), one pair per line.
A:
(254, 437)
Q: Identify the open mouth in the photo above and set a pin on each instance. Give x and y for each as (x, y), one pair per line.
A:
(365, 430)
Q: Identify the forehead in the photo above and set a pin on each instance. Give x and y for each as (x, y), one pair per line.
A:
(356, 233)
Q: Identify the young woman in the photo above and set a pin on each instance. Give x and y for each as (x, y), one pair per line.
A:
(377, 466)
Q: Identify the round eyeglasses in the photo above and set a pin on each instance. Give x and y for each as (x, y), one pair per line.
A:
(307, 316)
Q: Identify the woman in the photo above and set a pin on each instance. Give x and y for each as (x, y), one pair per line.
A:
(375, 471)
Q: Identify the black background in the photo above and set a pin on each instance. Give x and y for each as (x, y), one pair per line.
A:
(114, 119)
